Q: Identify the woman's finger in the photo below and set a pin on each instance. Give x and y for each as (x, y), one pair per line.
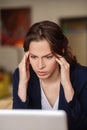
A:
(62, 62)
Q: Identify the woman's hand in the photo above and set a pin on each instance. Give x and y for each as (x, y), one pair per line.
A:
(65, 77)
(24, 76)
(65, 70)
(24, 68)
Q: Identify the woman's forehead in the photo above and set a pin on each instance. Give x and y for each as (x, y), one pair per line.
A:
(40, 48)
(39, 45)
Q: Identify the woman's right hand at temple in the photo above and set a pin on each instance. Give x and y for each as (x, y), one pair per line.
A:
(24, 76)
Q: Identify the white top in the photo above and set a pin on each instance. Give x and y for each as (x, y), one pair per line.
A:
(45, 103)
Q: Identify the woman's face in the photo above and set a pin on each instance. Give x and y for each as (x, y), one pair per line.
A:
(41, 59)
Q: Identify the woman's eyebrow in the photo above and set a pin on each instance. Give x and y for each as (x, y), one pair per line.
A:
(31, 54)
(43, 55)
(48, 54)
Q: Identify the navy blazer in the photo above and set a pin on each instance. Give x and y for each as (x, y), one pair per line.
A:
(76, 109)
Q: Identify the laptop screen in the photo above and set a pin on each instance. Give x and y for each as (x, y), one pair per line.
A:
(33, 120)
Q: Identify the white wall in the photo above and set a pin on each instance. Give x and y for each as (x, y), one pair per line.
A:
(50, 9)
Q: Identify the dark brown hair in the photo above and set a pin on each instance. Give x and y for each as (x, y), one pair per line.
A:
(51, 32)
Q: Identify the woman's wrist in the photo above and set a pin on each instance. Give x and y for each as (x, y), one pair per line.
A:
(69, 92)
(22, 91)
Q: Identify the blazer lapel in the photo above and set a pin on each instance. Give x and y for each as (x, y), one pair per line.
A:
(62, 100)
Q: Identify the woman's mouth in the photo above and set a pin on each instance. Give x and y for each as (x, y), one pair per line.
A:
(41, 73)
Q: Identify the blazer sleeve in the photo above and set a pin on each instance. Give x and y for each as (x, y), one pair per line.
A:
(78, 106)
(17, 103)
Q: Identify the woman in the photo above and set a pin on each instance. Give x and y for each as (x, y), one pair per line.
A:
(49, 77)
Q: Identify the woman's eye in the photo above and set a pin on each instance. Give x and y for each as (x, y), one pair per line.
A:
(33, 57)
(49, 57)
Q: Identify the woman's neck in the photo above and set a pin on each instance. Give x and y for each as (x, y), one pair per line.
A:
(51, 87)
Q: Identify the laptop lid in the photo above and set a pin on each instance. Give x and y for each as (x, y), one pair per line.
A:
(32, 120)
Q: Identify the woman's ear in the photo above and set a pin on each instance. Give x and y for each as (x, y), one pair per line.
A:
(63, 50)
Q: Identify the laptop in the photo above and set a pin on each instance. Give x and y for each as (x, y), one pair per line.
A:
(33, 120)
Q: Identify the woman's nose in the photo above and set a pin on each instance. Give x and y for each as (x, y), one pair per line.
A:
(41, 63)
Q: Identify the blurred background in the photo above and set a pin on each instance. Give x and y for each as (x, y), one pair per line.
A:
(15, 19)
